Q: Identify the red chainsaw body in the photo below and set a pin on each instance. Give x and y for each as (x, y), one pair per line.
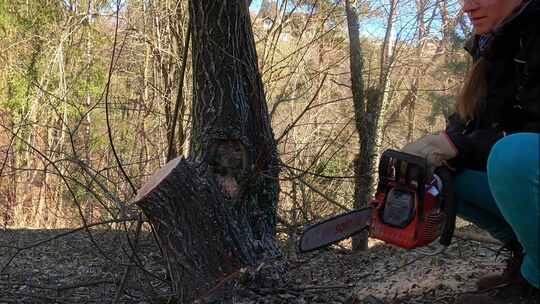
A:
(425, 223)
(413, 206)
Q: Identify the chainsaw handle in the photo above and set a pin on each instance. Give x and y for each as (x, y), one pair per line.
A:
(448, 204)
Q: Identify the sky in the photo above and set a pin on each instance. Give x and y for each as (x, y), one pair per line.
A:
(255, 5)
(368, 28)
(375, 27)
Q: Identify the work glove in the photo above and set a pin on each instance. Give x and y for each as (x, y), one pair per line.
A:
(436, 148)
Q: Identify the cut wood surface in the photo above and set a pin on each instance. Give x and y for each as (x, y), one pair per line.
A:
(156, 178)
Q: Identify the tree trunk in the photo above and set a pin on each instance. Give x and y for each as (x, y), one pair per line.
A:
(370, 110)
(387, 46)
(359, 242)
(214, 213)
(421, 7)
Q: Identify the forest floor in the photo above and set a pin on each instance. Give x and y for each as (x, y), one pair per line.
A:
(76, 269)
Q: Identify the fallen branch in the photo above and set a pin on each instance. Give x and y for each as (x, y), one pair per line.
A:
(122, 284)
(70, 286)
(477, 237)
(305, 288)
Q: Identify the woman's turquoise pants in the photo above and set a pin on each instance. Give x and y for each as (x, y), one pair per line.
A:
(505, 201)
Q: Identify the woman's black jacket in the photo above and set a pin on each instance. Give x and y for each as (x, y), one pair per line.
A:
(512, 102)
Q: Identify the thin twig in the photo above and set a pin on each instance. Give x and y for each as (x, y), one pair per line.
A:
(122, 285)
(70, 286)
(69, 188)
(306, 172)
(326, 197)
(307, 108)
(171, 151)
(107, 116)
(306, 288)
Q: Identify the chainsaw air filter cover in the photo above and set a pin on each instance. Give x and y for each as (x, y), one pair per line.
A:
(399, 209)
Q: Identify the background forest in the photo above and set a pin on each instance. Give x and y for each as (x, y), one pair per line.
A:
(96, 95)
(89, 92)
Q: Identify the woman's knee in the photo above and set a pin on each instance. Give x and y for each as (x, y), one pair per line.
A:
(514, 158)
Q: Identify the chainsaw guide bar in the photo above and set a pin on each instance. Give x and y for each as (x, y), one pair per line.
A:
(334, 229)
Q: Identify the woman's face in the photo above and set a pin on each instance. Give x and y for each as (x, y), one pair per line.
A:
(485, 15)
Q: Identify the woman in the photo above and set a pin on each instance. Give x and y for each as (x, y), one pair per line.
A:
(493, 140)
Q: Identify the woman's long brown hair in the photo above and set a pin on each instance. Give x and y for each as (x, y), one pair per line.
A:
(473, 90)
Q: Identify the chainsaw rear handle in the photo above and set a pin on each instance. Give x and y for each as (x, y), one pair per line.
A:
(448, 206)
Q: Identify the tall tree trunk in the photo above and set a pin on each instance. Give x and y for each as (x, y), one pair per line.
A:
(378, 100)
(421, 7)
(357, 85)
(215, 212)
(370, 110)
(387, 46)
(411, 108)
(87, 119)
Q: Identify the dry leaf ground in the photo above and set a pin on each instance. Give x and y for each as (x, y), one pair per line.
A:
(73, 270)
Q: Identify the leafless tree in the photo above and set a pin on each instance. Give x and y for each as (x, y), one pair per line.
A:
(214, 213)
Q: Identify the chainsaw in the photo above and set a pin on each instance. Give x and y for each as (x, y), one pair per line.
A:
(412, 207)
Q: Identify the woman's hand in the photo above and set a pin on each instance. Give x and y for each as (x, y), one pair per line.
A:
(436, 148)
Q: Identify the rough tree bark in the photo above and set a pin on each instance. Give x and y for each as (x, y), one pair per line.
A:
(214, 212)
(370, 107)
(357, 86)
(421, 7)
